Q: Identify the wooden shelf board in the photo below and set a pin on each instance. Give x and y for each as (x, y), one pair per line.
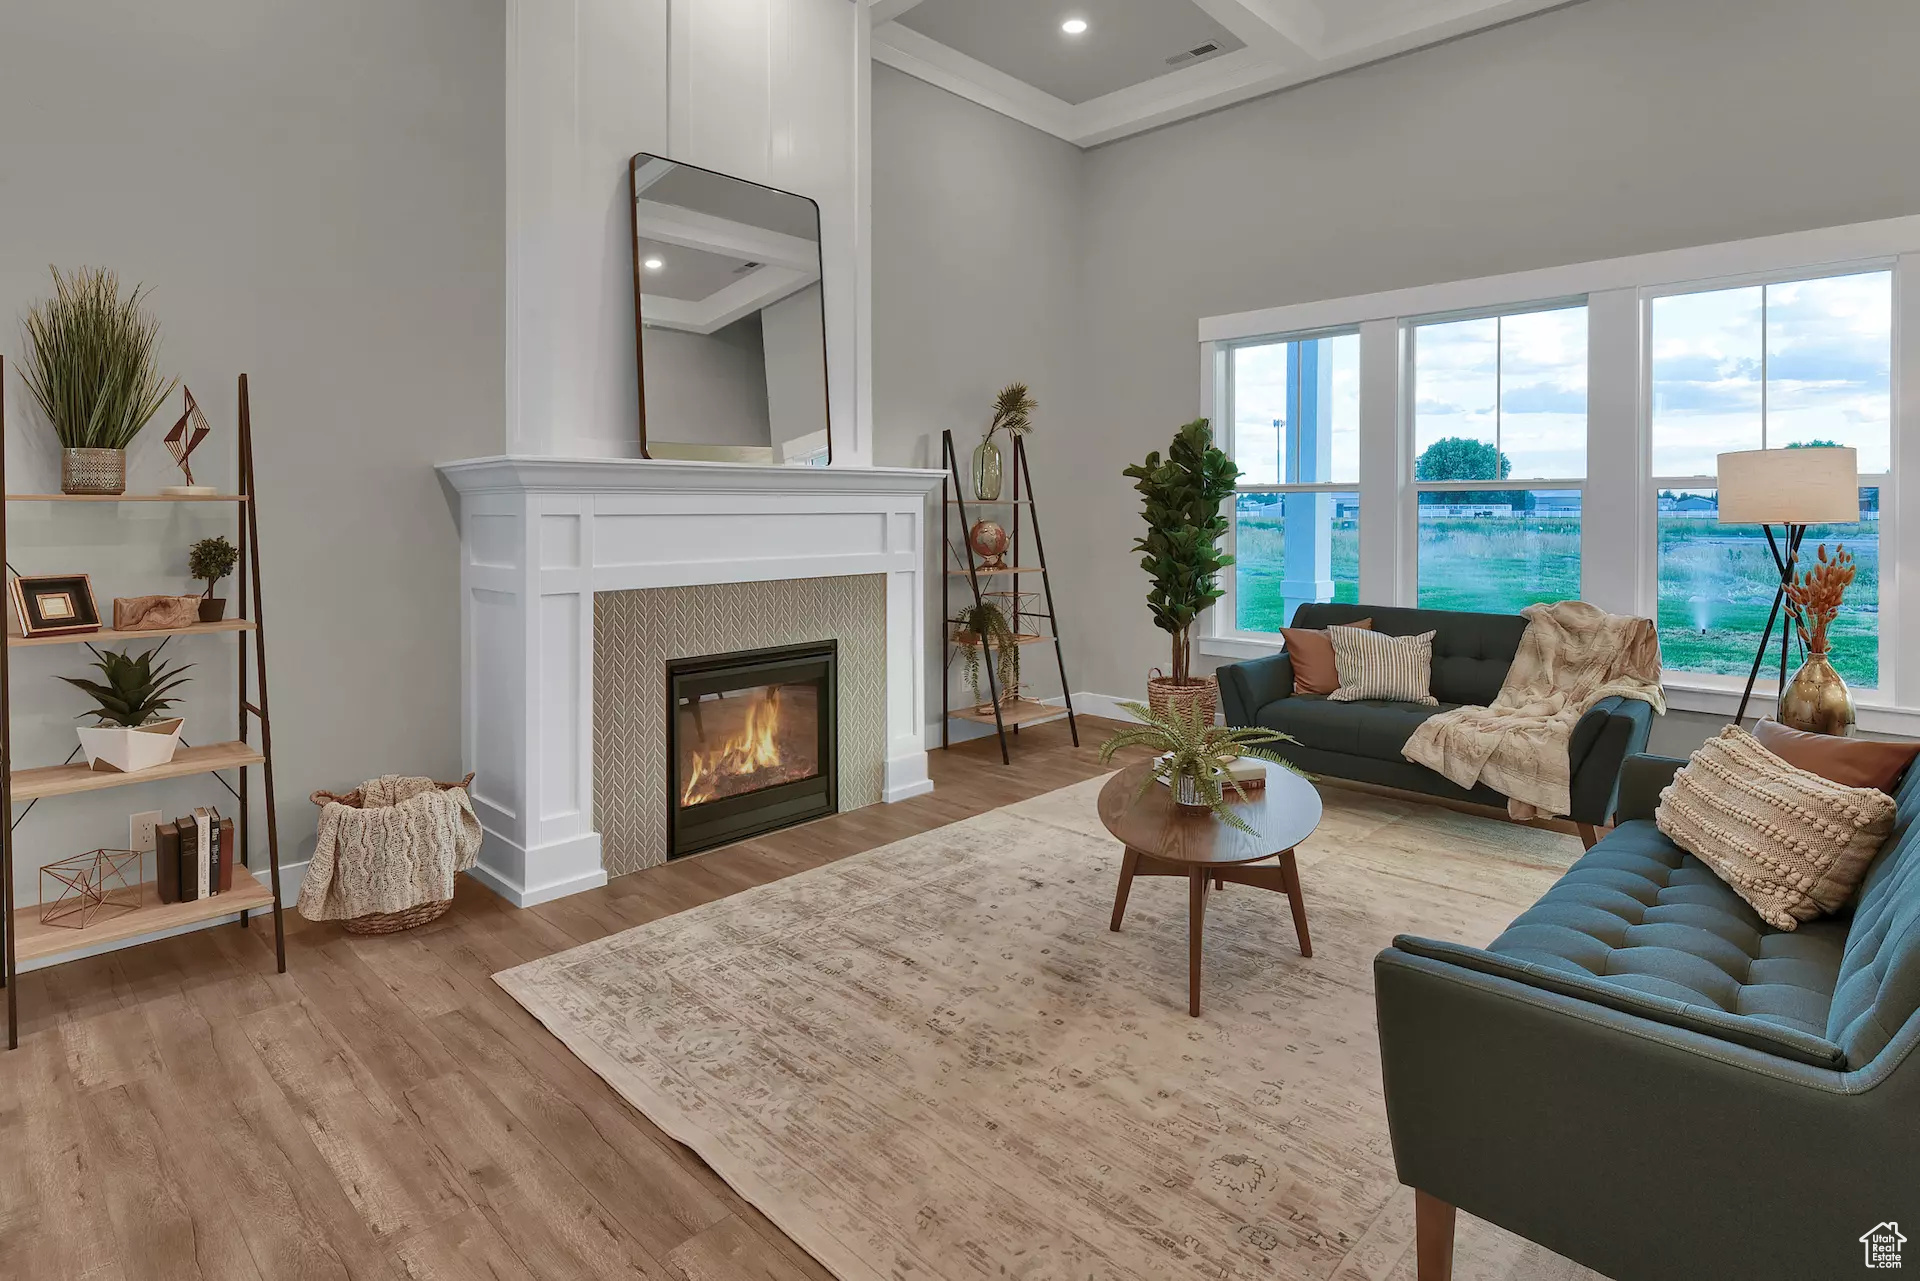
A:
(993, 502)
(126, 498)
(988, 573)
(1020, 638)
(112, 635)
(66, 780)
(1021, 711)
(33, 940)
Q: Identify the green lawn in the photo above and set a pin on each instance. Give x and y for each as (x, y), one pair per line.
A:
(1716, 582)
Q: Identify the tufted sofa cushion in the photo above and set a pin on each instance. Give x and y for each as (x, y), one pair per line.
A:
(1878, 990)
(1471, 652)
(1640, 925)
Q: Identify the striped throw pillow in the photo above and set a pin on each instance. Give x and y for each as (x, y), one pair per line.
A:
(1375, 665)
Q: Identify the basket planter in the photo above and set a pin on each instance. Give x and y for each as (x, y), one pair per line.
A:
(93, 471)
(1166, 695)
(124, 750)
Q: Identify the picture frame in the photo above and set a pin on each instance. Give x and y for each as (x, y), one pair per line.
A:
(54, 604)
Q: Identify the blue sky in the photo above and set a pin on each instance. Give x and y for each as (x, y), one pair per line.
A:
(1532, 367)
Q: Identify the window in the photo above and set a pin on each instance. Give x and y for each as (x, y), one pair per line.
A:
(1787, 364)
(1295, 408)
(1499, 405)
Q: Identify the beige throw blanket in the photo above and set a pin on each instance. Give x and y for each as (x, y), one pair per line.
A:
(400, 850)
(1572, 655)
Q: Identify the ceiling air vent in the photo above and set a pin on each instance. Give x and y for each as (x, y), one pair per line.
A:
(746, 267)
(1189, 55)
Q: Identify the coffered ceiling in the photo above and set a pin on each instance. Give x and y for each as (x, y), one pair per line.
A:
(1141, 63)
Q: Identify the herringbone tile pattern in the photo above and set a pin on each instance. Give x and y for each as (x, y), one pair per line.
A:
(635, 635)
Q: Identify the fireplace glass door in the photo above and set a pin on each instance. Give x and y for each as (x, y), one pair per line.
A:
(753, 739)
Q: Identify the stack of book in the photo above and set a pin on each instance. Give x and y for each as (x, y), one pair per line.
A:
(195, 856)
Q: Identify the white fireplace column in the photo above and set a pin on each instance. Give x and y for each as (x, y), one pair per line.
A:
(541, 536)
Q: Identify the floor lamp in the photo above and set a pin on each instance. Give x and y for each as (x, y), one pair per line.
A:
(1792, 488)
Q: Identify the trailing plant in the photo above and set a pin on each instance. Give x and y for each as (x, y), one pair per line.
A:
(1012, 411)
(212, 559)
(134, 691)
(989, 626)
(1194, 747)
(1817, 595)
(90, 361)
(1180, 501)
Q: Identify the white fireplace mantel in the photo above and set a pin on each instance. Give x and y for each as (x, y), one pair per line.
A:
(540, 536)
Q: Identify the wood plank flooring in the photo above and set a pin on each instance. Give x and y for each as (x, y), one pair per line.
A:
(383, 1110)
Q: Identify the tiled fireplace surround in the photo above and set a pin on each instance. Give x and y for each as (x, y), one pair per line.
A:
(544, 540)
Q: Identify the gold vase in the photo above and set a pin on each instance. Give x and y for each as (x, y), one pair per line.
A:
(1817, 700)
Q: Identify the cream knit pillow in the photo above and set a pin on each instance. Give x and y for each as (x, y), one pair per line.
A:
(1792, 844)
(1375, 665)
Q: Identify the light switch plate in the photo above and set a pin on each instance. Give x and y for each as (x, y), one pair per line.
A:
(140, 827)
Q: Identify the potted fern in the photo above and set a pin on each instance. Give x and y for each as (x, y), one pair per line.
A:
(210, 560)
(1196, 756)
(130, 733)
(1180, 501)
(90, 366)
(977, 629)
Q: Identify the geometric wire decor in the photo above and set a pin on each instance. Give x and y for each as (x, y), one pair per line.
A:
(97, 885)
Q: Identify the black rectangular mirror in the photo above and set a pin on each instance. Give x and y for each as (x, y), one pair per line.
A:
(730, 341)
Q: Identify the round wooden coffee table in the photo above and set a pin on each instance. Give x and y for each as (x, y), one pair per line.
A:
(1163, 839)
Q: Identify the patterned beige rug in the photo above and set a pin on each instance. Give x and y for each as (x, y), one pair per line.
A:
(934, 1061)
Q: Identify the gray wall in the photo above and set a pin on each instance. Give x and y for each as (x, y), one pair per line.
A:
(314, 194)
(976, 224)
(1610, 128)
(707, 389)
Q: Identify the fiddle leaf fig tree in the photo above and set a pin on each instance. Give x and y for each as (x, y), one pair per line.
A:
(1181, 497)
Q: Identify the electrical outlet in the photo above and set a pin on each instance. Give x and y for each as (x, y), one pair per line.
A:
(140, 831)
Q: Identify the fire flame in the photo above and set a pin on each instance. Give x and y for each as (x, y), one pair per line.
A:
(755, 748)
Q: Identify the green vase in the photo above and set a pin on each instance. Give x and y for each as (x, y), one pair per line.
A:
(986, 471)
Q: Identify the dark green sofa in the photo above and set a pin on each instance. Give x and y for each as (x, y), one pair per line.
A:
(1642, 1075)
(1362, 740)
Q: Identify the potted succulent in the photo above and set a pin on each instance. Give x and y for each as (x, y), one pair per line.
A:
(1196, 755)
(1012, 413)
(210, 560)
(1180, 501)
(978, 628)
(128, 702)
(90, 367)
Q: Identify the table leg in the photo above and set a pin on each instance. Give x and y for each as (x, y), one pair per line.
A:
(1199, 882)
(1129, 864)
(1290, 877)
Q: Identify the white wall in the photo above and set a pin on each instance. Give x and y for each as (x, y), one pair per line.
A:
(792, 331)
(976, 221)
(769, 90)
(313, 194)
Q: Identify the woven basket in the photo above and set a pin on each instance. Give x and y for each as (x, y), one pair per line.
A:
(1165, 694)
(407, 918)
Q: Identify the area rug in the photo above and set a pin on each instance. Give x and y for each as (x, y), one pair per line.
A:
(933, 1060)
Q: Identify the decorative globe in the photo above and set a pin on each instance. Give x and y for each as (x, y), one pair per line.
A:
(989, 541)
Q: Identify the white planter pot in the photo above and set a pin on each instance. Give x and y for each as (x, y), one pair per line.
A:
(115, 748)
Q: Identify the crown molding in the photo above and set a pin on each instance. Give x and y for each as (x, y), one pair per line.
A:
(1289, 43)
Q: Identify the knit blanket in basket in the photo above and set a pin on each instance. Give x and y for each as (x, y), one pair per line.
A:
(1571, 656)
(400, 850)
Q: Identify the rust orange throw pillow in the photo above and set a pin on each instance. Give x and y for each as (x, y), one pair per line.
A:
(1312, 653)
(1850, 762)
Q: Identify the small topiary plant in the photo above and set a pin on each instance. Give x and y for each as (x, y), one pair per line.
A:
(212, 559)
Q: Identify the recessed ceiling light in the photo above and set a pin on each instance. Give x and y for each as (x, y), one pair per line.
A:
(653, 264)
(1074, 26)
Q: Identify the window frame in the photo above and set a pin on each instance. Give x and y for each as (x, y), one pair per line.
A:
(1885, 482)
(1225, 614)
(1619, 494)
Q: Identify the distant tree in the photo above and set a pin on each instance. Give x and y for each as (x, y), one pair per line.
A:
(1814, 444)
(1462, 458)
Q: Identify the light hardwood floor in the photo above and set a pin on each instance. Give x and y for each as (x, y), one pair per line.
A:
(383, 1109)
